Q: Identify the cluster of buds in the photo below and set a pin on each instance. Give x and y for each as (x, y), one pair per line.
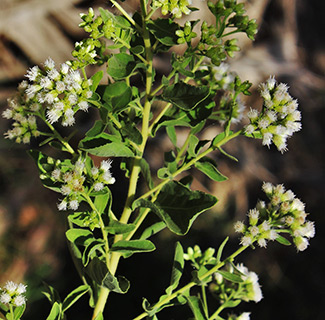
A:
(12, 294)
(284, 213)
(279, 117)
(21, 111)
(74, 181)
(176, 7)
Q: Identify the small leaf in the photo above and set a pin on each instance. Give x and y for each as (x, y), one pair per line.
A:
(178, 267)
(79, 236)
(105, 145)
(197, 308)
(208, 168)
(91, 249)
(145, 171)
(101, 201)
(96, 78)
(51, 294)
(283, 240)
(180, 206)
(164, 31)
(120, 66)
(185, 96)
(133, 246)
(219, 253)
(118, 96)
(117, 227)
(19, 311)
(117, 284)
(97, 128)
(56, 312)
(172, 134)
(153, 229)
(74, 296)
(230, 276)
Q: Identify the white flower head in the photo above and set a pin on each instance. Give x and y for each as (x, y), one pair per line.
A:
(5, 298)
(98, 186)
(73, 204)
(21, 288)
(106, 165)
(62, 206)
(49, 63)
(239, 227)
(19, 300)
(10, 287)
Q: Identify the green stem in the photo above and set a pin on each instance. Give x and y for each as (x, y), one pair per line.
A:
(125, 14)
(192, 284)
(136, 169)
(204, 298)
(60, 138)
(191, 163)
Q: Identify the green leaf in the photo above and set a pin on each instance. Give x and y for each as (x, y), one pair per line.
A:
(19, 311)
(219, 253)
(118, 96)
(74, 296)
(178, 267)
(79, 236)
(105, 145)
(230, 276)
(51, 294)
(96, 78)
(101, 201)
(130, 131)
(172, 134)
(153, 229)
(56, 312)
(133, 246)
(207, 167)
(283, 240)
(97, 270)
(185, 96)
(120, 66)
(117, 284)
(197, 308)
(164, 31)
(178, 206)
(90, 250)
(117, 227)
(145, 171)
(97, 128)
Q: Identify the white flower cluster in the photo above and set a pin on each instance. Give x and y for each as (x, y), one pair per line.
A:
(63, 92)
(252, 290)
(12, 293)
(279, 118)
(175, 7)
(22, 113)
(57, 93)
(284, 213)
(73, 181)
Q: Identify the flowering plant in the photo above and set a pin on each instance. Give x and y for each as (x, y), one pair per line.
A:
(132, 105)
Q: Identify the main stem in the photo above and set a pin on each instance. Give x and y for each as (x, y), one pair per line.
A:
(136, 168)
